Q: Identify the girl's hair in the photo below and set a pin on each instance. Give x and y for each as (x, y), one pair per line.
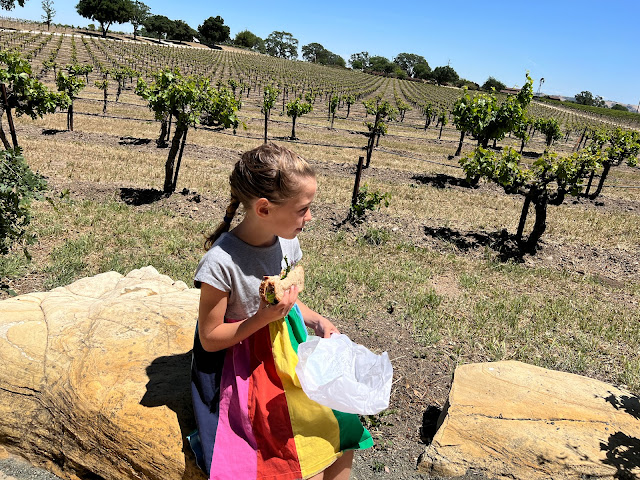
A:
(268, 171)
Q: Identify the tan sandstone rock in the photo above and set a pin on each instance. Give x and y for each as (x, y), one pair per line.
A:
(513, 420)
(95, 377)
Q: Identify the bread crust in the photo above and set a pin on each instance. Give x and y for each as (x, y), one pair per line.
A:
(279, 285)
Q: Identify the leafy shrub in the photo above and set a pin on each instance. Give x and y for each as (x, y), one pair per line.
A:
(18, 187)
(367, 201)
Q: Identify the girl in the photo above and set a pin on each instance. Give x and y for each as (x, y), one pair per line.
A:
(254, 420)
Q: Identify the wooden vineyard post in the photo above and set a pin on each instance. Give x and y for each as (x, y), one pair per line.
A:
(356, 185)
(12, 128)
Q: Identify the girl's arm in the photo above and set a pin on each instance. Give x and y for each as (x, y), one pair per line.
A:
(312, 319)
(216, 335)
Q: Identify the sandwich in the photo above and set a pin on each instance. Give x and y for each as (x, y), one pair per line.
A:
(272, 288)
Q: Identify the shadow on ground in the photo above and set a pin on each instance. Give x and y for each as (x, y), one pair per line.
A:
(133, 141)
(140, 196)
(441, 180)
(52, 131)
(502, 242)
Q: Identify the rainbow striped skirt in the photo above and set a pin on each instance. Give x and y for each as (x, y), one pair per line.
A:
(254, 420)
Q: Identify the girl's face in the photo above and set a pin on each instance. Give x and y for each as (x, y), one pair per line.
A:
(289, 217)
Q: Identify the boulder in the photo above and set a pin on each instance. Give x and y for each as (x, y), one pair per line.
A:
(95, 377)
(511, 420)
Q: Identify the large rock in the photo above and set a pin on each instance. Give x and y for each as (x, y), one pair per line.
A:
(512, 420)
(95, 377)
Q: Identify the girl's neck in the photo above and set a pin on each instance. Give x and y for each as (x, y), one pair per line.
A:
(252, 233)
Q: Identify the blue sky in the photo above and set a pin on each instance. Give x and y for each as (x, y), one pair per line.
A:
(574, 45)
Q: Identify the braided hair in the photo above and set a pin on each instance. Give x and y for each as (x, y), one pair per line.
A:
(269, 171)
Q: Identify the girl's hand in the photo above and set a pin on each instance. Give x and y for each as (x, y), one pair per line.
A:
(324, 328)
(270, 313)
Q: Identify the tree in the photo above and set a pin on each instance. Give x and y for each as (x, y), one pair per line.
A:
(249, 40)
(427, 110)
(624, 145)
(333, 107)
(586, 98)
(381, 65)
(359, 61)
(107, 12)
(18, 187)
(485, 119)
(443, 119)
(159, 25)
(349, 99)
(213, 30)
(314, 52)
(549, 128)
(139, 14)
(464, 117)
(622, 108)
(444, 75)
(382, 110)
(281, 44)
(494, 84)
(546, 182)
(296, 109)
(10, 4)
(187, 99)
(422, 70)
(521, 130)
(409, 61)
(268, 101)
(182, 31)
(70, 83)
(49, 12)
(25, 94)
(104, 86)
(335, 60)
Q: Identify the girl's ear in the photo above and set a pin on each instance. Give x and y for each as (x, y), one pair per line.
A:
(262, 207)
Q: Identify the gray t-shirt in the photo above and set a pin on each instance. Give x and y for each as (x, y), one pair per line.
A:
(234, 266)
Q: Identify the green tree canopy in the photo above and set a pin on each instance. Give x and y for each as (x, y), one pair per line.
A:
(485, 119)
(249, 40)
(189, 100)
(422, 70)
(107, 12)
(281, 44)
(444, 75)
(493, 83)
(182, 31)
(545, 182)
(316, 53)
(586, 98)
(159, 26)
(622, 108)
(380, 64)
(139, 14)
(26, 95)
(409, 61)
(10, 4)
(213, 30)
(359, 61)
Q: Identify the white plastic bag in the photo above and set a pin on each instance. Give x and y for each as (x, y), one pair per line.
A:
(345, 376)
